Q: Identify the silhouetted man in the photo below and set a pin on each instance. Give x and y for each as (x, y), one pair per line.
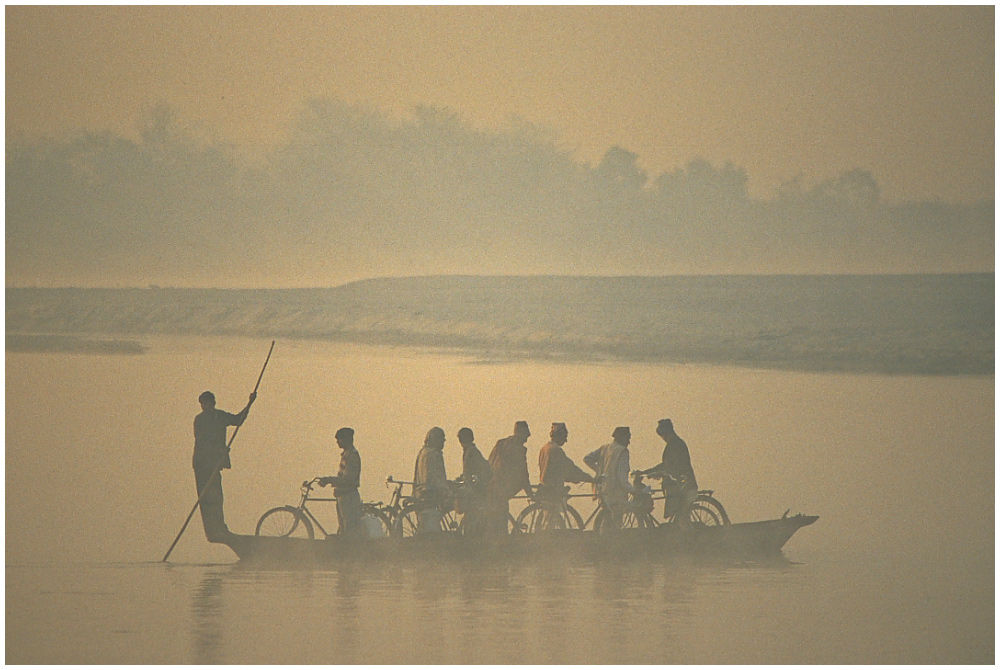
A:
(679, 484)
(476, 470)
(345, 485)
(555, 467)
(211, 456)
(430, 482)
(509, 466)
(476, 475)
(611, 465)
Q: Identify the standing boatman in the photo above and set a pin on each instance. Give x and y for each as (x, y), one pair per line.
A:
(211, 456)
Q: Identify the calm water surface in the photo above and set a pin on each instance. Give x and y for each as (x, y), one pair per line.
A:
(899, 569)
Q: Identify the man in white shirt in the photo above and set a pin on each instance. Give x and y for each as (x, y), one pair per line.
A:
(430, 483)
(610, 464)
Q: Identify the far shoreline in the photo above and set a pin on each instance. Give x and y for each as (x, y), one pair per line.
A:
(46, 343)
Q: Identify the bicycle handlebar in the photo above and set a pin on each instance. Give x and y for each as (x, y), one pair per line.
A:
(658, 475)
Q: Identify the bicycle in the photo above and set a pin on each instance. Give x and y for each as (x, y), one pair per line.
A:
(545, 514)
(637, 513)
(705, 510)
(548, 512)
(397, 500)
(299, 521)
(556, 513)
(412, 516)
(467, 499)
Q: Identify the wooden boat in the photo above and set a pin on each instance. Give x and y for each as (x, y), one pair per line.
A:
(738, 540)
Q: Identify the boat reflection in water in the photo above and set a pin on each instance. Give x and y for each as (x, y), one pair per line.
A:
(546, 608)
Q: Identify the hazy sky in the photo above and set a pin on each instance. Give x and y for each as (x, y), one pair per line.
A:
(905, 93)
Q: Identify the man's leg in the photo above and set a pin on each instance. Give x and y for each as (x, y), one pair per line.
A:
(687, 495)
(496, 513)
(616, 504)
(473, 518)
(671, 501)
(212, 515)
(349, 514)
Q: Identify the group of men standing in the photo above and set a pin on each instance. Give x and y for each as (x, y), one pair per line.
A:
(491, 484)
(487, 485)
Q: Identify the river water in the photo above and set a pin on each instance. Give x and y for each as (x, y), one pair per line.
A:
(900, 469)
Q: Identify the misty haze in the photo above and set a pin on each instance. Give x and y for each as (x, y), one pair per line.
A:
(496, 335)
(355, 190)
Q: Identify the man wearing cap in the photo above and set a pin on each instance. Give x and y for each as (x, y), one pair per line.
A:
(610, 464)
(211, 456)
(555, 468)
(345, 485)
(476, 475)
(476, 472)
(509, 467)
(679, 485)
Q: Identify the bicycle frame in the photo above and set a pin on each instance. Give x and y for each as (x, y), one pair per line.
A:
(703, 498)
(307, 488)
(561, 504)
(396, 500)
(601, 506)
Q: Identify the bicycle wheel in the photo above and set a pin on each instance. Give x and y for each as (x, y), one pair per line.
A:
(409, 521)
(604, 523)
(406, 524)
(711, 503)
(536, 517)
(701, 515)
(633, 519)
(572, 518)
(285, 521)
(391, 513)
(463, 525)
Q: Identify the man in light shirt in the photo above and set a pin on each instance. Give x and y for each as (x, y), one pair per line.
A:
(555, 469)
(610, 464)
(430, 483)
(346, 483)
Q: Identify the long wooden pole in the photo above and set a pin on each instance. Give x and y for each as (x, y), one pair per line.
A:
(218, 466)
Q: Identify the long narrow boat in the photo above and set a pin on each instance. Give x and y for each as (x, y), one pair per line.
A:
(739, 540)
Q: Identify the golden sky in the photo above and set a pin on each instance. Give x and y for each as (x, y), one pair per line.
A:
(906, 93)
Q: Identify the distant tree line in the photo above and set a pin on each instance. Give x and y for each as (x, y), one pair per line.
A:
(355, 193)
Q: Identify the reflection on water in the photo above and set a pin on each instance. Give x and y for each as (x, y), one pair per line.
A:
(556, 611)
(820, 610)
(206, 610)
